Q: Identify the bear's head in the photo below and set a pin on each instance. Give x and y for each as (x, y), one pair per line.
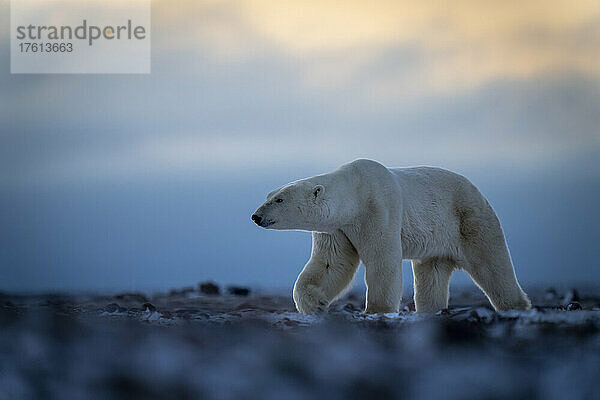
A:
(301, 205)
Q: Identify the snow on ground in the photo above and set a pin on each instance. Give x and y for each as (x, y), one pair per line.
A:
(187, 344)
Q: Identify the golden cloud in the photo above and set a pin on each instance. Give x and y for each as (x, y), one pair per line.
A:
(457, 44)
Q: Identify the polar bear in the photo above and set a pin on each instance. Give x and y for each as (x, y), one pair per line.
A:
(365, 211)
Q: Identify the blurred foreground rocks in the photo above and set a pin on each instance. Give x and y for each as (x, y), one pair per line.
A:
(197, 342)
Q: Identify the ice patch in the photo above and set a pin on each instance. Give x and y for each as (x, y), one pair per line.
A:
(292, 319)
(113, 314)
(151, 316)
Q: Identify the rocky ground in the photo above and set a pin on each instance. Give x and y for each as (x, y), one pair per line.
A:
(207, 342)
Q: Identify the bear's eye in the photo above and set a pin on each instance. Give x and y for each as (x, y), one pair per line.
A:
(278, 200)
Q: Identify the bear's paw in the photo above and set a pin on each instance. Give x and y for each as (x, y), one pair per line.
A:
(310, 299)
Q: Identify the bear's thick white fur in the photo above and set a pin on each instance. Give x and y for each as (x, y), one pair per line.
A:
(365, 211)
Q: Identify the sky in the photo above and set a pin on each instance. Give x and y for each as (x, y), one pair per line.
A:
(114, 182)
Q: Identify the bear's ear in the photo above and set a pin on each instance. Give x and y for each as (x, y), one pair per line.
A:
(318, 191)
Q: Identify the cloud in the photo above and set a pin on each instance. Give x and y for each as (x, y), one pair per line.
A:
(461, 45)
(520, 125)
(251, 83)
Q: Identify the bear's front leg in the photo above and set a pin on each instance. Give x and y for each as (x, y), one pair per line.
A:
(329, 271)
(383, 276)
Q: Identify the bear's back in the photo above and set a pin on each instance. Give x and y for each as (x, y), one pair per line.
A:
(423, 177)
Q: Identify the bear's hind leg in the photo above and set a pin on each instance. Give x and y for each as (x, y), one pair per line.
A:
(431, 283)
(488, 262)
(329, 271)
(499, 284)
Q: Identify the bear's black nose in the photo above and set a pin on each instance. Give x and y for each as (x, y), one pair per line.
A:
(256, 218)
